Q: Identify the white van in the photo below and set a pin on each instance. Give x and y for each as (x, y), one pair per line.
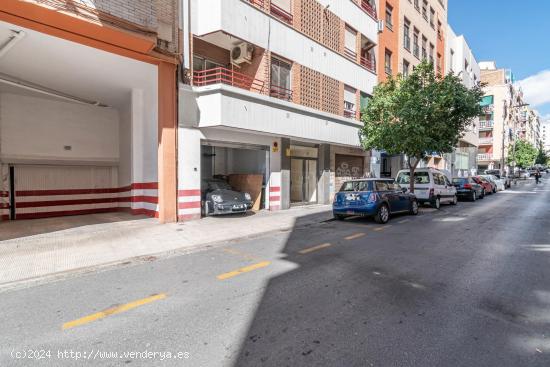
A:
(430, 186)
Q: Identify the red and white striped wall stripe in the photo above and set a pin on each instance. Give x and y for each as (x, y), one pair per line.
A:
(137, 198)
(4, 205)
(274, 198)
(189, 204)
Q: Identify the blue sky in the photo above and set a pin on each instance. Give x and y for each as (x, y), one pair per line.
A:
(515, 35)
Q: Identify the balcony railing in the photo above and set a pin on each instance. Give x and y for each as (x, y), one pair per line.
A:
(369, 64)
(368, 8)
(488, 109)
(259, 3)
(225, 76)
(351, 54)
(486, 140)
(280, 92)
(485, 156)
(486, 125)
(351, 114)
(280, 13)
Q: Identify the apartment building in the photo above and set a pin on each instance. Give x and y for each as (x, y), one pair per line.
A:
(545, 135)
(88, 107)
(414, 30)
(528, 128)
(272, 93)
(460, 61)
(503, 106)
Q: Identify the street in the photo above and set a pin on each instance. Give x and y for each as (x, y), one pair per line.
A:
(463, 286)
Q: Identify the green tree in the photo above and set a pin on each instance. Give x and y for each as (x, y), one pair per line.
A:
(419, 114)
(542, 156)
(523, 155)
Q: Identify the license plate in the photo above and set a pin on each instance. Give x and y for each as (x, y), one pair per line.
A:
(238, 206)
(352, 197)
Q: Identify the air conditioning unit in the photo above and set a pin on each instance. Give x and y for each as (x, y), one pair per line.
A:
(380, 26)
(242, 53)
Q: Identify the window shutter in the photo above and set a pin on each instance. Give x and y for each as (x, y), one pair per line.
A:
(351, 39)
(286, 5)
(349, 94)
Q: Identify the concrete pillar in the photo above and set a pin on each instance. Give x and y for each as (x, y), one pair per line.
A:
(167, 135)
(323, 185)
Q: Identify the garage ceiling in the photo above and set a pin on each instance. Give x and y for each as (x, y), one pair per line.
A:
(74, 69)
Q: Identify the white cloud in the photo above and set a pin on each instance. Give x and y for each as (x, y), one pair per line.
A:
(536, 89)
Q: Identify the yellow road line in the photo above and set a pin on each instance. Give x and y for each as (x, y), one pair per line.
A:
(354, 236)
(404, 221)
(113, 311)
(246, 269)
(378, 229)
(314, 248)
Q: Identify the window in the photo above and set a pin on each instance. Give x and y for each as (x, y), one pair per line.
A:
(416, 47)
(425, 9)
(387, 62)
(439, 31)
(285, 5)
(466, 66)
(382, 186)
(419, 178)
(432, 17)
(424, 51)
(349, 101)
(432, 54)
(350, 42)
(451, 61)
(280, 79)
(439, 66)
(406, 67)
(389, 11)
(407, 35)
(417, 5)
(200, 63)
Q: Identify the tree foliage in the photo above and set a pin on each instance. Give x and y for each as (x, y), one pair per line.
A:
(523, 155)
(542, 156)
(419, 114)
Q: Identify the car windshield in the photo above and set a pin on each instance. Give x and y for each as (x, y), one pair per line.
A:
(356, 186)
(219, 185)
(419, 178)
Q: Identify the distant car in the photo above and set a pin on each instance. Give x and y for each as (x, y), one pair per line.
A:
(430, 186)
(498, 182)
(507, 180)
(220, 198)
(523, 174)
(467, 188)
(488, 187)
(373, 197)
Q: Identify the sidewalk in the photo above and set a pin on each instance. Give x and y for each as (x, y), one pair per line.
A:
(111, 240)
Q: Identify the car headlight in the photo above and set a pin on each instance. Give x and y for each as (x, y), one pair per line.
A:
(217, 198)
(247, 196)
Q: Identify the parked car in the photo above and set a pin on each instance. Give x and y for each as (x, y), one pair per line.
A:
(430, 186)
(523, 174)
(507, 180)
(500, 185)
(467, 188)
(487, 185)
(373, 197)
(220, 198)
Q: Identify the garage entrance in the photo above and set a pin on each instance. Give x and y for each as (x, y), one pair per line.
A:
(244, 167)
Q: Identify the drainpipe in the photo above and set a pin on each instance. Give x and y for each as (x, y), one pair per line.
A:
(16, 36)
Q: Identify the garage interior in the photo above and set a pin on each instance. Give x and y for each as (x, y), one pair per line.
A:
(78, 139)
(245, 167)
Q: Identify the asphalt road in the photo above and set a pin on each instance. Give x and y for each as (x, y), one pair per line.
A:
(464, 286)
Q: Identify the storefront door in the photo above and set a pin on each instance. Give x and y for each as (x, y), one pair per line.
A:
(303, 180)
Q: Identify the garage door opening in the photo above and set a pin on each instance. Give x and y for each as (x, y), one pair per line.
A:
(243, 167)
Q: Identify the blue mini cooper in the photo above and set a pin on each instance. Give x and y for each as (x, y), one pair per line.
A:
(373, 197)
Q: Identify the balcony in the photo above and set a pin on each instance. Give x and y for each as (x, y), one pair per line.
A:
(258, 3)
(485, 157)
(221, 75)
(280, 92)
(368, 8)
(488, 140)
(369, 64)
(351, 54)
(350, 114)
(486, 125)
(488, 108)
(281, 14)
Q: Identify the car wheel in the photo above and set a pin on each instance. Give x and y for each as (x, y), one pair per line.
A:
(339, 217)
(455, 200)
(482, 194)
(414, 207)
(382, 215)
(474, 196)
(206, 211)
(494, 190)
(436, 203)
